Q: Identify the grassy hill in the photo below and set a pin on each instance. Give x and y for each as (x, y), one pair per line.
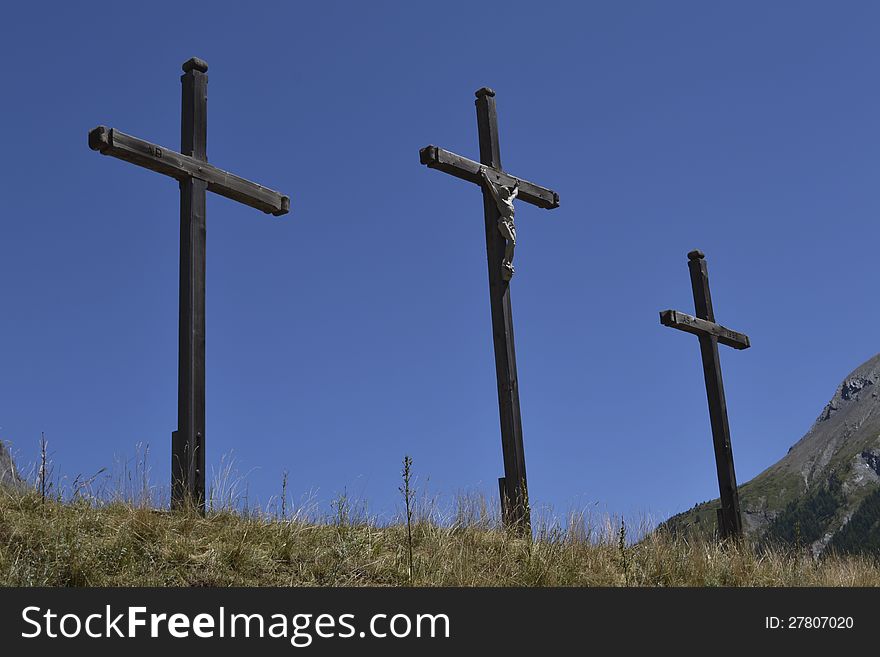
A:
(81, 543)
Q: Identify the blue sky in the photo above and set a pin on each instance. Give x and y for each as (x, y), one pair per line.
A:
(356, 329)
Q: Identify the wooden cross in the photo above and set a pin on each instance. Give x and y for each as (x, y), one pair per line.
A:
(710, 334)
(195, 175)
(512, 487)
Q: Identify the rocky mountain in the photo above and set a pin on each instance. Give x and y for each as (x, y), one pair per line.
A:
(825, 493)
(9, 476)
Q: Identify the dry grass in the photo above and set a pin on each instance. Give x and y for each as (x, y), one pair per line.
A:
(84, 542)
(105, 530)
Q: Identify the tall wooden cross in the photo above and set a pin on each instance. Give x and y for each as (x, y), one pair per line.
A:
(710, 334)
(512, 487)
(190, 167)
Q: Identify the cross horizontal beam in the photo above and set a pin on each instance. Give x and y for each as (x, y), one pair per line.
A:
(684, 322)
(110, 141)
(461, 167)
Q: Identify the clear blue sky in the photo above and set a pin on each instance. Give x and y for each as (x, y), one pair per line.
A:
(356, 329)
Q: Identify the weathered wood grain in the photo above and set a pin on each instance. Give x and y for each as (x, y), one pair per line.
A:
(438, 158)
(167, 161)
(514, 497)
(684, 322)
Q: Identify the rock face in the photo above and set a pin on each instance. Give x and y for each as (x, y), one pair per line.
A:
(825, 493)
(9, 476)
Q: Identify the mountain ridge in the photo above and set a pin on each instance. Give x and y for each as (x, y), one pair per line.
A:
(826, 479)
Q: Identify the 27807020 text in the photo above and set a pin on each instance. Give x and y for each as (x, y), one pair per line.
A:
(808, 622)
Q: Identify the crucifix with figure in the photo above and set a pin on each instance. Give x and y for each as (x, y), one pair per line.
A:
(710, 334)
(191, 169)
(499, 191)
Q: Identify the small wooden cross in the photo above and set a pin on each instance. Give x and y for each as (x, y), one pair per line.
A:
(190, 167)
(710, 334)
(512, 487)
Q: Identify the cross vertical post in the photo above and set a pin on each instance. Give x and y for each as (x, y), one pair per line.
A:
(710, 334)
(513, 485)
(188, 442)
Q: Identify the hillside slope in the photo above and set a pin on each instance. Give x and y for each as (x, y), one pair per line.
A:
(825, 492)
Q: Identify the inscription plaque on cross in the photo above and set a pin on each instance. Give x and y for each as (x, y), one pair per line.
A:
(499, 190)
(191, 169)
(710, 334)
